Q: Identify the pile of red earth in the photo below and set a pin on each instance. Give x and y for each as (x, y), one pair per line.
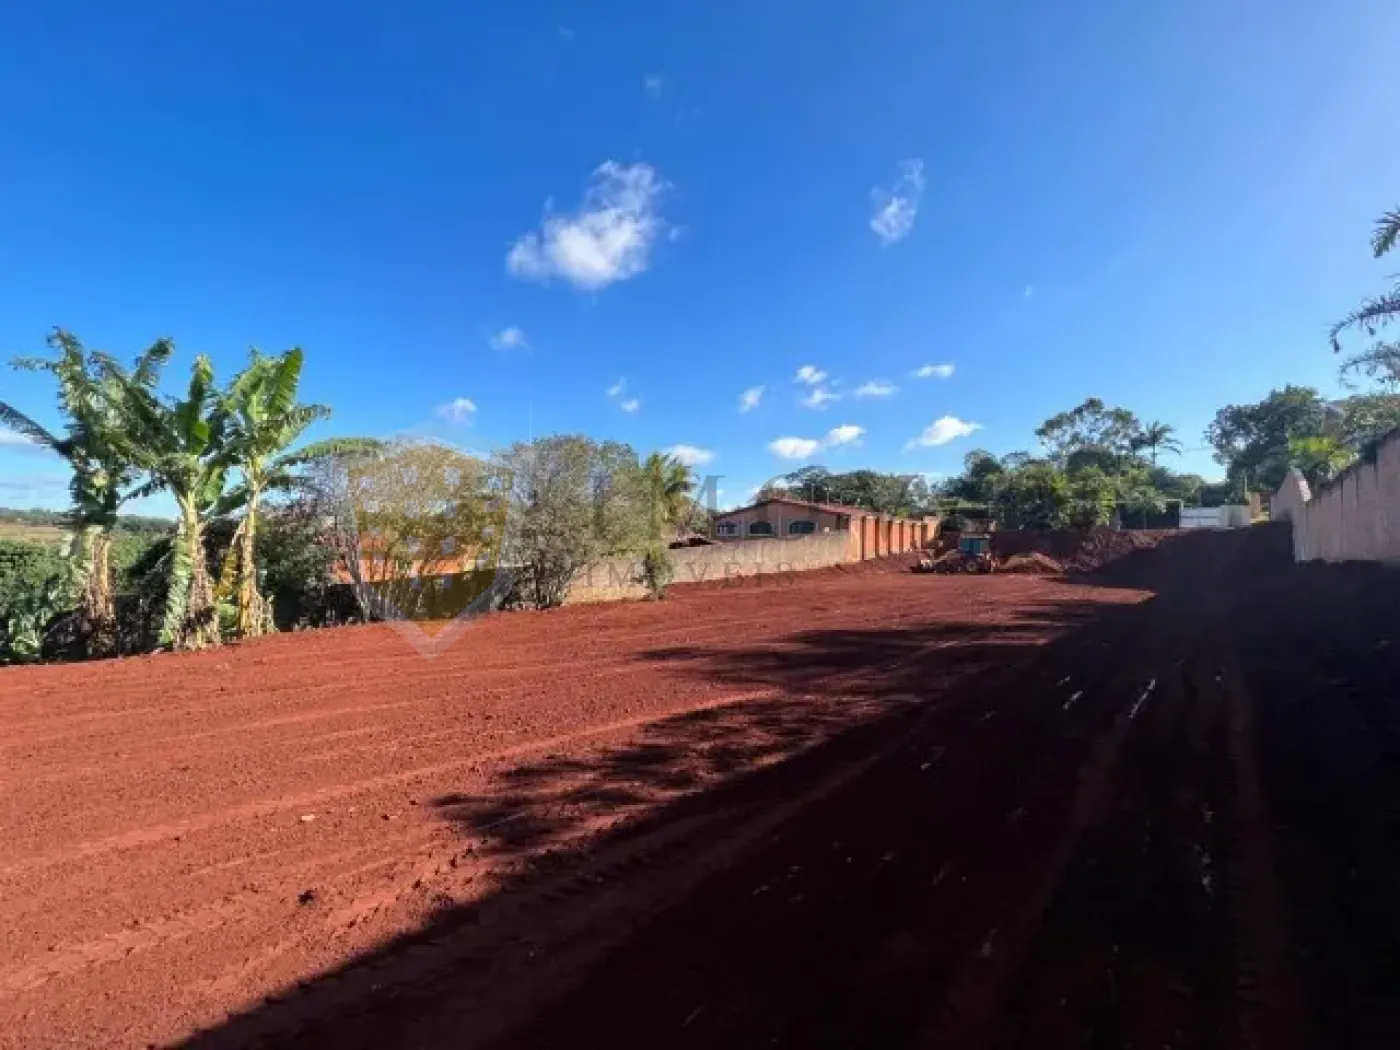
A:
(1102, 546)
(1032, 564)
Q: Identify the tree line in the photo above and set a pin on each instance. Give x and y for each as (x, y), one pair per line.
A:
(259, 514)
(230, 459)
(1099, 462)
(217, 451)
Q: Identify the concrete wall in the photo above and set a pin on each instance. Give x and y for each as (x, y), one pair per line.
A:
(1229, 517)
(616, 578)
(1354, 518)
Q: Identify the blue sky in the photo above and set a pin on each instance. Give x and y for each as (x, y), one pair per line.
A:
(1160, 204)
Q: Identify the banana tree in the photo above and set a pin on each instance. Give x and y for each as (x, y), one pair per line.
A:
(183, 445)
(264, 421)
(95, 446)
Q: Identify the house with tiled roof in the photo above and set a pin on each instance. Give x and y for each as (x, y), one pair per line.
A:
(872, 535)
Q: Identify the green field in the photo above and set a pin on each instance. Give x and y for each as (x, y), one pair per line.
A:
(15, 530)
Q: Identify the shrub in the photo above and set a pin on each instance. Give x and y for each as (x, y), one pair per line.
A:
(573, 502)
(657, 571)
(24, 623)
(24, 567)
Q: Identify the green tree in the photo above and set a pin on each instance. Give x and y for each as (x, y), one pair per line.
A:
(1320, 458)
(95, 446)
(573, 502)
(264, 421)
(668, 483)
(815, 484)
(183, 444)
(1368, 417)
(901, 494)
(1184, 487)
(295, 558)
(975, 484)
(1252, 440)
(1090, 426)
(1093, 494)
(1036, 496)
(1157, 437)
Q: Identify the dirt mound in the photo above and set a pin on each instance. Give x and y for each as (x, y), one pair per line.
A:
(1077, 550)
(1033, 564)
(1106, 545)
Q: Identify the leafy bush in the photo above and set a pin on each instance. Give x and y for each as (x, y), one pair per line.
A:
(657, 571)
(34, 588)
(1092, 496)
(25, 566)
(1036, 496)
(574, 501)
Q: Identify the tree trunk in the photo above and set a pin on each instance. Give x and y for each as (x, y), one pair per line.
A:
(97, 591)
(254, 613)
(191, 616)
(202, 615)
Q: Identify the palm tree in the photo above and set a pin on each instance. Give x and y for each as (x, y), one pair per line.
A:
(264, 420)
(1157, 436)
(1374, 314)
(183, 444)
(96, 449)
(1320, 459)
(668, 484)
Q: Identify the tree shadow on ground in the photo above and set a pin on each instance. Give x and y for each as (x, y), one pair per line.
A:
(590, 844)
(794, 696)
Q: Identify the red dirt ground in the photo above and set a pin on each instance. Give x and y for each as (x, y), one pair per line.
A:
(851, 809)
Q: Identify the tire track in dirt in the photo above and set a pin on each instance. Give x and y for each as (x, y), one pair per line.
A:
(978, 832)
(68, 958)
(588, 925)
(973, 1005)
(212, 896)
(1127, 941)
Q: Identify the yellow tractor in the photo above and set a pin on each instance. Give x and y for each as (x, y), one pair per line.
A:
(973, 554)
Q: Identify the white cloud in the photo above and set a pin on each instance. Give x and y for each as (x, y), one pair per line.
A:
(809, 374)
(876, 388)
(631, 404)
(1028, 291)
(654, 84)
(617, 389)
(943, 430)
(944, 371)
(843, 435)
(608, 239)
(458, 411)
(804, 448)
(511, 338)
(794, 448)
(689, 455)
(750, 398)
(13, 439)
(898, 207)
(820, 397)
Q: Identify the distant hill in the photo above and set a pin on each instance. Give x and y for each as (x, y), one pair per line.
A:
(46, 525)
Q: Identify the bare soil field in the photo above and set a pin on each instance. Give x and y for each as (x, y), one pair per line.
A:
(849, 809)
